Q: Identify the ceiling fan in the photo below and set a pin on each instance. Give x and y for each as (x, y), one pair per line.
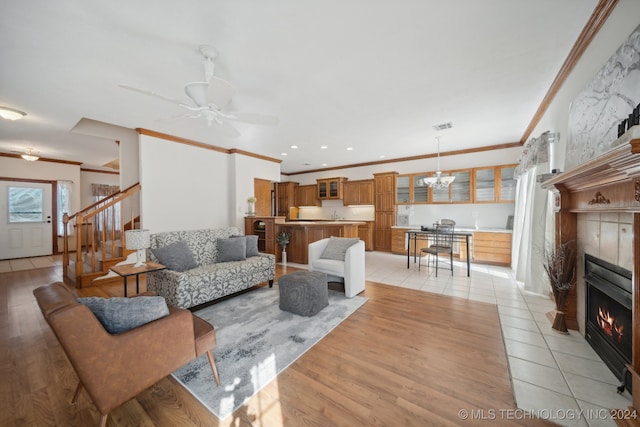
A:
(210, 97)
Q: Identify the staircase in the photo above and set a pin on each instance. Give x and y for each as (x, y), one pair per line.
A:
(97, 240)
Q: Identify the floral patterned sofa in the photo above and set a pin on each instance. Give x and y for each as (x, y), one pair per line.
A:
(210, 279)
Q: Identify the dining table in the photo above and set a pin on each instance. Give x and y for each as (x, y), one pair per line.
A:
(424, 233)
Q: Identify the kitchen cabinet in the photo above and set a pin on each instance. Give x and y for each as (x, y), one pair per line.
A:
(303, 233)
(330, 188)
(485, 188)
(285, 197)
(507, 184)
(385, 209)
(495, 184)
(365, 233)
(411, 189)
(307, 195)
(459, 191)
(492, 248)
(399, 242)
(358, 192)
(264, 228)
(461, 187)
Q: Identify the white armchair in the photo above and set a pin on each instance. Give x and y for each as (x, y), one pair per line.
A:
(351, 269)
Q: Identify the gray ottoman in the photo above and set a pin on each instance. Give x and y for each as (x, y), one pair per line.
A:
(303, 292)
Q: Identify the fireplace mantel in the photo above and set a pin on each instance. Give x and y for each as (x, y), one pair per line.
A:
(608, 183)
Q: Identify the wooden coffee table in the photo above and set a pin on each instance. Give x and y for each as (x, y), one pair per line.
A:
(126, 270)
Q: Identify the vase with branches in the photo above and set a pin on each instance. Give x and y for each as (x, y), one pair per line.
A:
(283, 240)
(560, 266)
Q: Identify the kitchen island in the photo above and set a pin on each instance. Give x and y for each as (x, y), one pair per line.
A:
(304, 232)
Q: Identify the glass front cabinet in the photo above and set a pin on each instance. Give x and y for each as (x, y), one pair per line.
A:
(494, 184)
(411, 189)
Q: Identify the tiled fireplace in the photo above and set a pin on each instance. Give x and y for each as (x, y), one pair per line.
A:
(598, 206)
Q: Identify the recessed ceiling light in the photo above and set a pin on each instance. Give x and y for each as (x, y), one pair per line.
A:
(324, 164)
(294, 147)
(323, 147)
(284, 154)
(382, 156)
(349, 148)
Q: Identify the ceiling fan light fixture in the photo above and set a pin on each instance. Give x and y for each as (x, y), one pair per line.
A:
(11, 113)
(31, 155)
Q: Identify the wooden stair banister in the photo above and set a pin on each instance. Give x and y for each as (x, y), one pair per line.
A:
(98, 227)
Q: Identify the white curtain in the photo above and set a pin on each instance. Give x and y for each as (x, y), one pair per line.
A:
(532, 218)
(529, 230)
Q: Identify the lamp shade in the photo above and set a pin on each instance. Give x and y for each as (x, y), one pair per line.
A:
(137, 239)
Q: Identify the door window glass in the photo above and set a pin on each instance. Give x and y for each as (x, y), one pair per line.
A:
(26, 204)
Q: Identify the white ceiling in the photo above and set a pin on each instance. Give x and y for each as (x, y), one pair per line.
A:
(371, 75)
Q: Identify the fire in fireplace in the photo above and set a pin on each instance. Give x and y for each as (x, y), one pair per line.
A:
(608, 314)
(611, 326)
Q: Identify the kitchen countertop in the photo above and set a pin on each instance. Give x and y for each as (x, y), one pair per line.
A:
(331, 220)
(466, 229)
(323, 222)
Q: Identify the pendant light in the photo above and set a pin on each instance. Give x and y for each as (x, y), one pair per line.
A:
(439, 182)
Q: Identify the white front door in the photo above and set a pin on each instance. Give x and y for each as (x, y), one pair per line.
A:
(26, 225)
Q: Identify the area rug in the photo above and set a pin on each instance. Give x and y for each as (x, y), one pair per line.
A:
(255, 342)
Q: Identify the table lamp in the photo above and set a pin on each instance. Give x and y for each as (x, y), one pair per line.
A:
(138, 240)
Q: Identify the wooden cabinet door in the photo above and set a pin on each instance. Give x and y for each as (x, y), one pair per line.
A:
(323, 189)
(365, 233)
(365, 192)
(494, 248)
(398, 241)
(285, 197)
(306, 195)
(351, 193)
(357, 193)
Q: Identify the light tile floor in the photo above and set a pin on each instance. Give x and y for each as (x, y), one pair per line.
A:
(7, 266)
(555, 376)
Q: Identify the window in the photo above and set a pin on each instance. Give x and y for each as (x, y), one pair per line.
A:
(64, 205)
(26, 204)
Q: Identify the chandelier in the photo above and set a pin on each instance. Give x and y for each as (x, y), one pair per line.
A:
(438, 182)
(31, 155)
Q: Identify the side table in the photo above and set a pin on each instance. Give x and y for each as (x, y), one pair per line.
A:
(126, 270)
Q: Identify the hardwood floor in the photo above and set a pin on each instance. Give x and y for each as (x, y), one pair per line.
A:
(406, 358)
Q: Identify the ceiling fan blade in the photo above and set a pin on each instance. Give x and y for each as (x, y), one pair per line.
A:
(151, 93)
(226, 129)
(219, 92)
(179, 117)
(253, 118)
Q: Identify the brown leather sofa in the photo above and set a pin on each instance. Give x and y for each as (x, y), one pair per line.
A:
(115, 368)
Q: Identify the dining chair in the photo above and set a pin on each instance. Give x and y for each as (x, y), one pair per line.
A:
(442, 245)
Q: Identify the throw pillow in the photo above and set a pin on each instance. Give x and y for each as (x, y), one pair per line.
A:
(176, 256)
(252, 244)
(337, 247)
(232, 249)
(118, 315)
